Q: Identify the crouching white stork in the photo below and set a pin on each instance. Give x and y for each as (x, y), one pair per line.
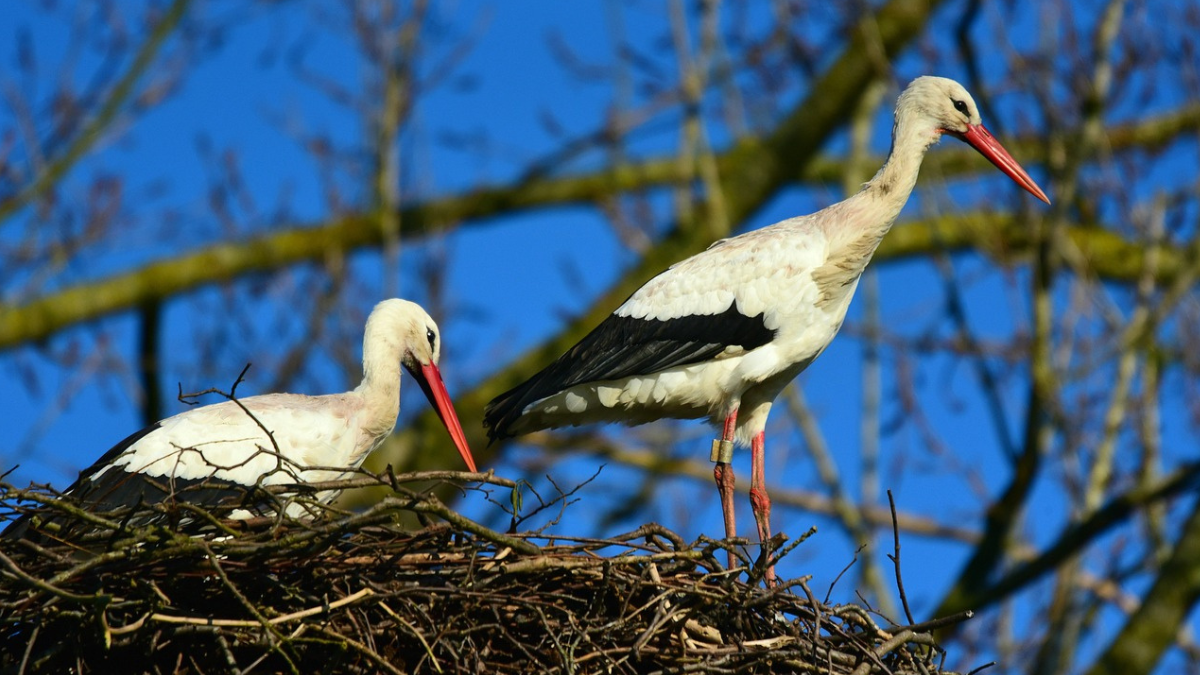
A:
(219, 453)
(720, 334)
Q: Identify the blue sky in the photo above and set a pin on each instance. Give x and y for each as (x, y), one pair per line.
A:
(511, 281)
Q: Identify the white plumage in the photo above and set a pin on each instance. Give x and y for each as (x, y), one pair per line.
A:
(213, 454)
(720, 334)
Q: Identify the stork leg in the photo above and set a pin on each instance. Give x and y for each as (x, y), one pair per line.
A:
(760, 501)
(723, 475)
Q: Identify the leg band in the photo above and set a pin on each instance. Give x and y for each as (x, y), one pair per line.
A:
(722, 451)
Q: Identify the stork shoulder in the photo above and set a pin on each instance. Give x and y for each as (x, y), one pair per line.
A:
(230, 437)
(758, 270)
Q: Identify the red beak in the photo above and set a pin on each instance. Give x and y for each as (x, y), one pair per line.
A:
(982, 140)
(430, 379)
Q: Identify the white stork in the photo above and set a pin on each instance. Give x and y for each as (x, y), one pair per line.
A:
(720, 334)
(218, 453)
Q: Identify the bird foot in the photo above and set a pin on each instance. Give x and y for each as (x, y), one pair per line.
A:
(722, 451)
(760, 504)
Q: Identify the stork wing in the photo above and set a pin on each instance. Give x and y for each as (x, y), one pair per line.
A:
(625, 346)
(105, 488)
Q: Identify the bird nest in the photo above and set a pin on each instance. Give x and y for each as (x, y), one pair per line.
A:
(358, 592)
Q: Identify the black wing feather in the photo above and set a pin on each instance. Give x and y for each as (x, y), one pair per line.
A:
(119, 488)
(623, 346)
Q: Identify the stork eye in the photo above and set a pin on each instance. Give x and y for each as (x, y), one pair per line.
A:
(961, 106)
(432, 337)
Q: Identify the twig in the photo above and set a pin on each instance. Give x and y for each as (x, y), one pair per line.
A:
(842, 573)
(362, 649)
(413, 629)
(895, 558)
(99, 599)
(434, 506)
(33, 636)
(246, 623)
(934, 624)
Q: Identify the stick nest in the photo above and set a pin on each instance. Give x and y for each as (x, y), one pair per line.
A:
(360, 593)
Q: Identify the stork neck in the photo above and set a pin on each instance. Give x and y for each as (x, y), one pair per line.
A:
(380, 386)
(894, 182)
(857, 225)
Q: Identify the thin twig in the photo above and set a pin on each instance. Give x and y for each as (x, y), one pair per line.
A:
(244, 623)
(895, 558)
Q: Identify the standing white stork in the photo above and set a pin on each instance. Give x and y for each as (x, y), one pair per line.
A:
(720, 334)
(218, 453)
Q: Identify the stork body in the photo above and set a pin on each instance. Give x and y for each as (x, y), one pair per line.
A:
(219, 452)
(688, 344)
(720, 334)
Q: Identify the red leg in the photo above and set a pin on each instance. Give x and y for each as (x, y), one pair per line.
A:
(723, 475)
(760, 501)
(730, 426)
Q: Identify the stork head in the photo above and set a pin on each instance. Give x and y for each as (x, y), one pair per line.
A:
(932, 106)
(408, 330)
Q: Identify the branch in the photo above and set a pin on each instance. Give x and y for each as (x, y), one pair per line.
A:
(1072, 540)
(1154, 626)
(244, 623)
(92, 132)
(86, 301)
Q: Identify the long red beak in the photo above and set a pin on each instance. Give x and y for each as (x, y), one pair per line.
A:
(982, 140)
(430, 379)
